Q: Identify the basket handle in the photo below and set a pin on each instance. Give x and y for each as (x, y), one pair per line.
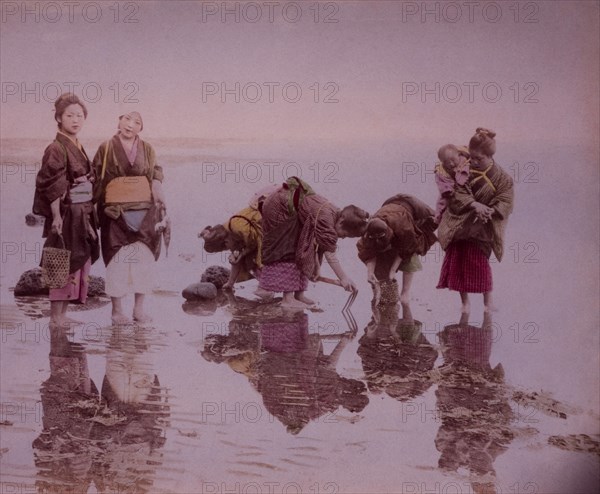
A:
(62, 240)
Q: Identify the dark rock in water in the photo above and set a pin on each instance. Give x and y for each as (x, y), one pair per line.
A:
(30, 283)
(96, 286)
(217, 275)
(200, 291)
(34, 219)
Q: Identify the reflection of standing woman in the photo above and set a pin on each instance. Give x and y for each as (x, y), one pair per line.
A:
(472, 227)
(63, 195)
(129, 196)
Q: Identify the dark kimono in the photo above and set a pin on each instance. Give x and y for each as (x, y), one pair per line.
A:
(114, 232)
(411, 226)
(62, 163)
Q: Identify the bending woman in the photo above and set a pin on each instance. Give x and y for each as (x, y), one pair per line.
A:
(299, 228)
(473, 225)
(242, 235)
(129, 194)
(63, 195)
(400, 231)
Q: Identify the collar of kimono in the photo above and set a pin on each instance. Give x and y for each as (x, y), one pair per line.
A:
(483, 174)
(74, 141)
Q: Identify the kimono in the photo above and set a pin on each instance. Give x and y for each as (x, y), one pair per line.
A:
(115, 232)
(410, 233)
(469, 243)
(246, 228)
(492, 187)
(62, 163)
(298, 228)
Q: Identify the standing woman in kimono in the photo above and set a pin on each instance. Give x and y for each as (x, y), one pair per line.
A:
(129, 194)
(473, 225)
(299, 228)
(63, 195)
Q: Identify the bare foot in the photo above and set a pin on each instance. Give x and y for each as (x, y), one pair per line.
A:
(293, 304)
(120, 319)
(262, 293)
(304, 299)
(141, 317)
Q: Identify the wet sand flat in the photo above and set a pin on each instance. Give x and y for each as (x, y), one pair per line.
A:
(239, 396)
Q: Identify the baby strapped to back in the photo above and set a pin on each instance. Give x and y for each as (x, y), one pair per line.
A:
(452, 170)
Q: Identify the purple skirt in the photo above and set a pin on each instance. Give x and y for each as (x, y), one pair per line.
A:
(282, 277)
(466, 268)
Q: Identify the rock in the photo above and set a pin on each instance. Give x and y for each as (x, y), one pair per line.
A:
(217, 275)
(30, 283)
(34, 219)
(96, 286)
(200, 291)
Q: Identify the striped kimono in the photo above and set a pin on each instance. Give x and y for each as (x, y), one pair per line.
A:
(296, 235)
(469, 243)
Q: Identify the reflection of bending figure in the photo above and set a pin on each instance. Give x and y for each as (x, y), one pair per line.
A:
(133, 430)
(287, 366)
(297, 381)
(69, 399)
(472, 404)
(395, 355)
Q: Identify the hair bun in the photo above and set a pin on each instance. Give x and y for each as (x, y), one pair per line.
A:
(485, 132)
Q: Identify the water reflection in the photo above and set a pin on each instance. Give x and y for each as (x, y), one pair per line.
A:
(63, 452)
(287, 365)
(396, 356)
(111, 440)
(297, 380)
(473, 404)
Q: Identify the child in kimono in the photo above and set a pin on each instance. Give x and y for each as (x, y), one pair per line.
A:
(452, 170)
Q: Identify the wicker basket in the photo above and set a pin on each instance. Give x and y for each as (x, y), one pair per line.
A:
(388, 292)
(55, 265)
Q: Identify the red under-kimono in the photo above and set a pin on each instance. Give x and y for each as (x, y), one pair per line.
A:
(469, 243)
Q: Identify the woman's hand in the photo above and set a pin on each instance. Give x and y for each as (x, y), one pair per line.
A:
(235, 257)
(57, 225)
(348, 284)
(483, 212)
(228, 286)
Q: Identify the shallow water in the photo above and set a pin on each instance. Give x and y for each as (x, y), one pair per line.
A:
(239, 396)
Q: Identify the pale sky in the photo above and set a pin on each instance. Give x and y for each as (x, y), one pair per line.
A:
(375, 60)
